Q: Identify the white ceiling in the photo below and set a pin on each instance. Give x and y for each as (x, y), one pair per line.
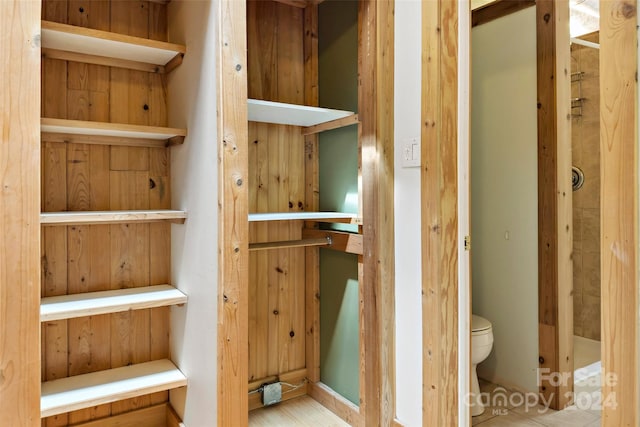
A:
(584, 15)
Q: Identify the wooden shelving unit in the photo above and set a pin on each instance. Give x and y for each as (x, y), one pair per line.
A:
(80, 44)
(111, 169)
(111, 217)
(86, 132)
(84, 391)
(103, 302)
(284, 203)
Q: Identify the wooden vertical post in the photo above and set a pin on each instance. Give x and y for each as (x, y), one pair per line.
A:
(20, 214)
(375, 103)
(439, 180)
(555, 269)
(233, 202)
(619, 204)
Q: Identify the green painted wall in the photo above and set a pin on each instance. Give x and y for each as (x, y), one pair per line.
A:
(339, 336)
(338, 88)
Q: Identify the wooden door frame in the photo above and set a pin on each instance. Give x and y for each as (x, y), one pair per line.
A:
(555, 228)
(377, 364)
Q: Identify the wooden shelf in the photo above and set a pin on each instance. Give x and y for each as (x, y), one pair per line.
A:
(347, 218)
(292, 114)
(73, 43)
(84, 132)
(84, 391)
(94, 303)
(111, 217)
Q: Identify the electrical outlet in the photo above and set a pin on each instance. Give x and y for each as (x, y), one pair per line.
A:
(271, 394)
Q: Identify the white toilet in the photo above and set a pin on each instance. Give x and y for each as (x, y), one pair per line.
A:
(481, 344)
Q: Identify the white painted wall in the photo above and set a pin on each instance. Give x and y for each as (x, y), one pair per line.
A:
(504, 195)
(407, 81)
(194, 246)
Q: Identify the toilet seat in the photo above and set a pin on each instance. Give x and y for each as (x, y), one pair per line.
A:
(479, 325)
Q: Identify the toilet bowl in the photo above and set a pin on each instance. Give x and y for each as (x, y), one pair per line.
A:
(481, 344)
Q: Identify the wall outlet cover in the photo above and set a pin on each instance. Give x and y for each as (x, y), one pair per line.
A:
(271, 394)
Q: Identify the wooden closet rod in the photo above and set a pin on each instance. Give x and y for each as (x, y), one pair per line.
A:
(323, 241)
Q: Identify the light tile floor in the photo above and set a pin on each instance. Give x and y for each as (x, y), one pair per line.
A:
(513, 409)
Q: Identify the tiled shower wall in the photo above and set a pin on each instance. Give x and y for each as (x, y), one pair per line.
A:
(585, 143)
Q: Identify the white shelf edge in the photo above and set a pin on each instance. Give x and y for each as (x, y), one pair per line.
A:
(305, 216)
(110, 217)
(88, 41)
(79, 127)
(291, 114)
(84, 391)
(114, 301)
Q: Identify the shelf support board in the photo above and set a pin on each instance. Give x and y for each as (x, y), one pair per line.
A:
(72, 138)
(340, 240)
(333, 124)
(174, 63)
(176, 140)
(302, 243)
(102, 60)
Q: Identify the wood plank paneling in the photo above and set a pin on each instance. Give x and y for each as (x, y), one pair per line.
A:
(375, 104)
(276, 184)
(87, 98)
(153, 416)
(439, 214)
(54, 198)
(233, 229)
(619, 203)
(295, 378)
(19, 206)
